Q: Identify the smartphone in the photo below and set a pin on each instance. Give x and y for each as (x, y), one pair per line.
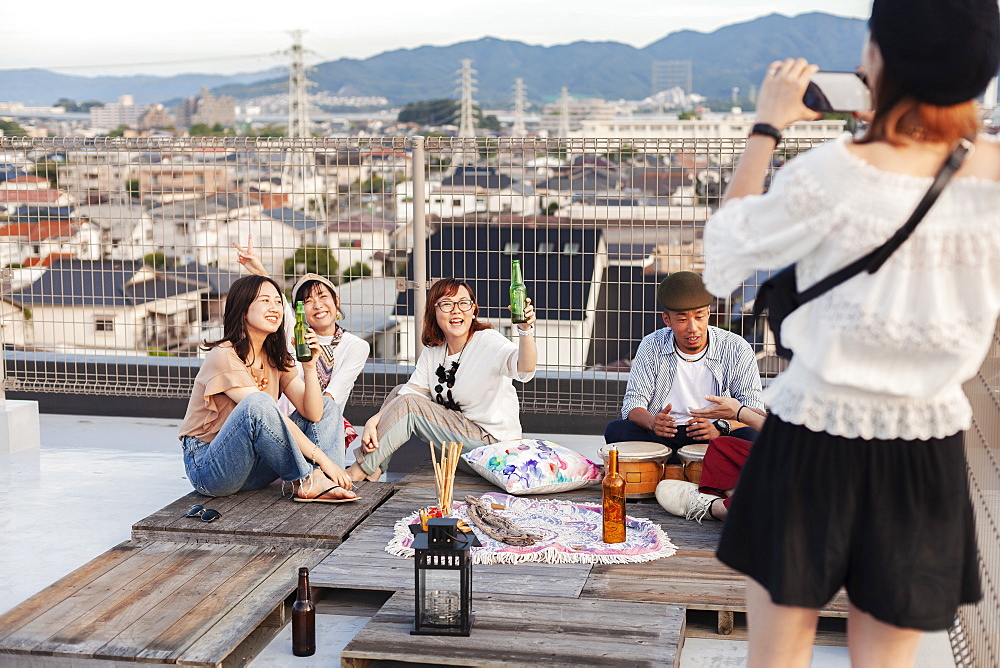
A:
(837, 92)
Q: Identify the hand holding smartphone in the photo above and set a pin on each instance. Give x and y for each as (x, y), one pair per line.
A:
(844, 92)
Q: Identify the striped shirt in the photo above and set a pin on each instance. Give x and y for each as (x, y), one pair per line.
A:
(729, 357)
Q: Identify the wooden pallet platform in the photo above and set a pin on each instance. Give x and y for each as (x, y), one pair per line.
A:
(158, 601)
(264, 517)
(548, 632)
(693, 577)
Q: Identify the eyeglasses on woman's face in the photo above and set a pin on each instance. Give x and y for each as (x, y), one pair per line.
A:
(447, 306)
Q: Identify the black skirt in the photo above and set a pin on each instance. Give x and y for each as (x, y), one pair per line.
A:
(890, 520)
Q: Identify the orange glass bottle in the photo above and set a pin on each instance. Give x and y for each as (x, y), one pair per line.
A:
(613, 489)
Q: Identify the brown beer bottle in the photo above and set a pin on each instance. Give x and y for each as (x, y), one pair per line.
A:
(303, 618)
(613, 489)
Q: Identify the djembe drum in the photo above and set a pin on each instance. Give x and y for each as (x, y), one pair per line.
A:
(641, 464)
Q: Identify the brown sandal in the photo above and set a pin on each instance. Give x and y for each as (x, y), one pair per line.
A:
(318, 498)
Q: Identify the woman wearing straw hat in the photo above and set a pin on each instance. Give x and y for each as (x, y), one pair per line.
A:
(342, 354)
(858, 478)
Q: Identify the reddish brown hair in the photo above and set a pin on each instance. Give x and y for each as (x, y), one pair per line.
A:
(447, 287)
(894, 109)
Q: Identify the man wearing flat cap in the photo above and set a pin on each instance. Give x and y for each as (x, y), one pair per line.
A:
(677, 366)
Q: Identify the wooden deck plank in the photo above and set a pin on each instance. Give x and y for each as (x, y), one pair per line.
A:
(180, 604)
(262, 517)
(75, 602)
(172, 517)
(526, 631)
(100, 623)
(32, 608)
(172, 640)
(338, 520)
(240, 621)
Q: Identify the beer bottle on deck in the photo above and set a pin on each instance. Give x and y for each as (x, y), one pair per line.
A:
(518, 293)
(613, 492)
(303, 618)
(303, 352)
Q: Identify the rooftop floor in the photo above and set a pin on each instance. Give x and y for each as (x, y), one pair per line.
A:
(93, 477)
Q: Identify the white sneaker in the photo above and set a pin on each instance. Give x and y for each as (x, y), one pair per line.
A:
(682, 498)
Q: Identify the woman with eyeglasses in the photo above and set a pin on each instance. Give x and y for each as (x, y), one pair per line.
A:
(234, 436)
(462, 388)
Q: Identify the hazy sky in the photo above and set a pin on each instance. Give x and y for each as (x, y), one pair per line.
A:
(119, 37)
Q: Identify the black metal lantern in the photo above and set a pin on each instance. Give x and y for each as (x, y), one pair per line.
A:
(443, 585)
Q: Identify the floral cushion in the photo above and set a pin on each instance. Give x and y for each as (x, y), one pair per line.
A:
(531, 466)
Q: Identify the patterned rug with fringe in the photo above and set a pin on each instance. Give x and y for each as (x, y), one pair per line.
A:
(571, 534)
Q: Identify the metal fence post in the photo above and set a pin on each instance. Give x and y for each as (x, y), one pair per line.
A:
(419, 243)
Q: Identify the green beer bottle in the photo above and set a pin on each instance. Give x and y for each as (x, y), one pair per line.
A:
(518, 293)
(303, 352)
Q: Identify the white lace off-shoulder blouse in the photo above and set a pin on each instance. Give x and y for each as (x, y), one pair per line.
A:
(884, 355)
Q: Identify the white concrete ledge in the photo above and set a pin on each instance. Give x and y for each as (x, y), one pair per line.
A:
(19, 426)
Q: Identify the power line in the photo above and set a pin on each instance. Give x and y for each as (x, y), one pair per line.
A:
(146, 64)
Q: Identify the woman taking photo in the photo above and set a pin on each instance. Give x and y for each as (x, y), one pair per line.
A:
(461, 389)
(858, 477)
(234, 436)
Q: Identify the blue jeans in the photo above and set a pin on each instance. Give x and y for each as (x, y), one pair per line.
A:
(255, 447)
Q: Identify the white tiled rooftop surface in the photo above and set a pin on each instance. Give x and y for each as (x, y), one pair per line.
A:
(78, 495)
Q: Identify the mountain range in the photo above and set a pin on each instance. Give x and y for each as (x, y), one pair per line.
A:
(732, 56)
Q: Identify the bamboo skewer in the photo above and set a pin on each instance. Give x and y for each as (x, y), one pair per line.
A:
(437, 471)
(444, 472)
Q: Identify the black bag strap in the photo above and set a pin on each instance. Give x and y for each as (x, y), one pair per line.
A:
(874, 260)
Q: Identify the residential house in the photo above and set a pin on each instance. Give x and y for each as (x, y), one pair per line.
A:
(390, 164)
(341, 168)
(191, 230)
(25, 182)
(622, 207)
(171, 181)
(309, 231)
(361, 239)
(94, 182)
(563, 269)
(15, 201)
(368, 305)
(626, 312)
(218, 282)
(560, 189)
(273, 242)
(669, 185)
(35, 242)
(466, 192)
(126, 228)
(109, 304)
(498, 190)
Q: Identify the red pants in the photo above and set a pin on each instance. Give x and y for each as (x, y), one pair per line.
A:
(723, 462)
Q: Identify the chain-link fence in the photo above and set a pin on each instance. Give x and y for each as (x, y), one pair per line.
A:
(976, 639)
(117, 254)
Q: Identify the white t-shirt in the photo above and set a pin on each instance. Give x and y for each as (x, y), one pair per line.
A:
(882, 355)
(484, 385)
(692, 381)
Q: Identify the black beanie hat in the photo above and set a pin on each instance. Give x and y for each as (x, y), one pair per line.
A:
(943, 52)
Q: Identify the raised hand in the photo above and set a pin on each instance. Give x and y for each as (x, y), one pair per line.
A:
(249, 259)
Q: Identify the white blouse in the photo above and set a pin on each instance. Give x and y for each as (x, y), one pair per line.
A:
(883, 355)
(483, 382)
